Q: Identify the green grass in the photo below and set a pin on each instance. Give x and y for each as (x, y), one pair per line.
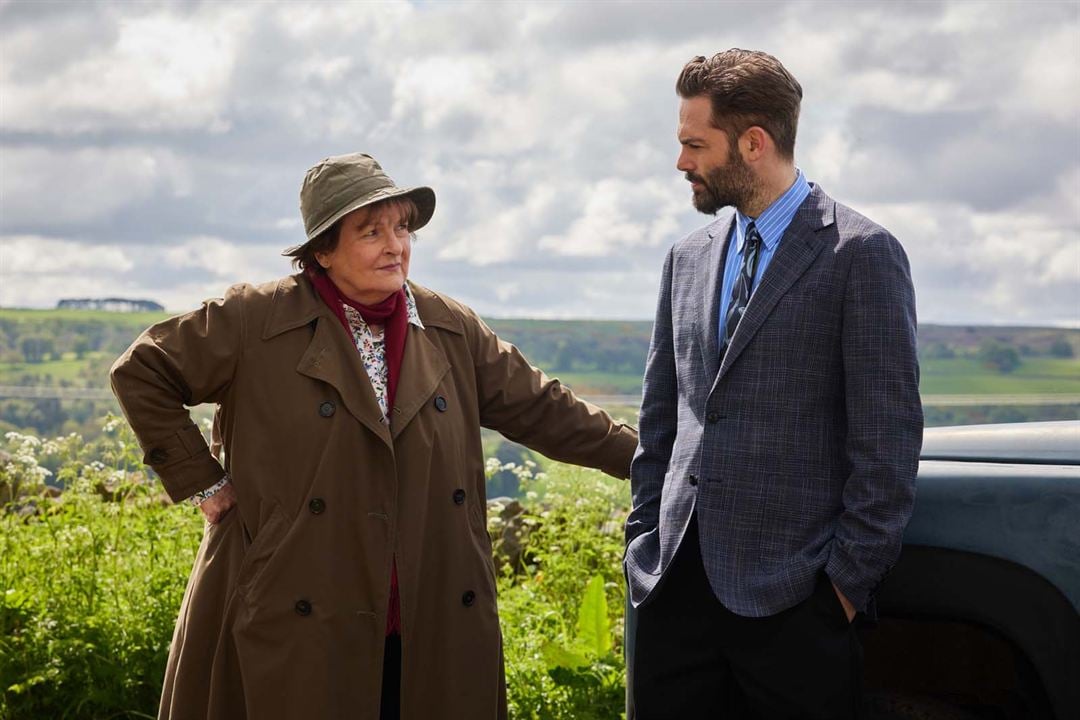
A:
(598, 383)
(965, 376)
(137, 320)
(70, 368)
(91, 580)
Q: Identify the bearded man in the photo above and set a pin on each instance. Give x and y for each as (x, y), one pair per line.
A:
(780, 428)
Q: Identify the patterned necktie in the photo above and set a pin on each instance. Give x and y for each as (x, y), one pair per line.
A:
(744, 284)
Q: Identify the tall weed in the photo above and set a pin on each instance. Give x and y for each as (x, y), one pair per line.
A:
(91, 579)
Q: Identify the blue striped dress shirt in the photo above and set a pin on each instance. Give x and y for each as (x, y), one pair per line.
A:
(771, 224)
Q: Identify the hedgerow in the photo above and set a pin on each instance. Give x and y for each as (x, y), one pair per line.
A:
(91, 579)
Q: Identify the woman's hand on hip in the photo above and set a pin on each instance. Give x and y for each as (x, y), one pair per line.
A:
(216, 506)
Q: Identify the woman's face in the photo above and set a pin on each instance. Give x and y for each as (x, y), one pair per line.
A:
(371, 259)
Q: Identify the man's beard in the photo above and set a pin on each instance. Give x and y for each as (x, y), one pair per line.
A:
(730, 184)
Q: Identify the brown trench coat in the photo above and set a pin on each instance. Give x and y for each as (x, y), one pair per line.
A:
(285, 611)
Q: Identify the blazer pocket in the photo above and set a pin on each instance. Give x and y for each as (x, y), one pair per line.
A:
(829, 603)
(638, 551)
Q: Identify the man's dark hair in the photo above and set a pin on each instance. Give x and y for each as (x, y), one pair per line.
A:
(746, 88)
(305, 256)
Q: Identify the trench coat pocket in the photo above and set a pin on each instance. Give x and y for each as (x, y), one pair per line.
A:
(259, 553)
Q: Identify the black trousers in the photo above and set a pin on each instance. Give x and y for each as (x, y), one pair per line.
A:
(694, 658)
(390, 707)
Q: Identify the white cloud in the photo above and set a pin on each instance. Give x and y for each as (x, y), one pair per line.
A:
(179, 132)
(502, 233)
(220, 258)
(1050, 75)
(53, 186)
(1000, 267)
(36, 271)
(34, 255)
(607, 224)
(162, 71)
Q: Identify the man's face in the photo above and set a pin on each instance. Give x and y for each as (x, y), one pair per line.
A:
(717, 173)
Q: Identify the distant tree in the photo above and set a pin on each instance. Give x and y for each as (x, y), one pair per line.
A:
(938, 351)
(1061, 348)
(1007, 414)
(35, 348)
(82, 346)
(998, 356)
(564, 358)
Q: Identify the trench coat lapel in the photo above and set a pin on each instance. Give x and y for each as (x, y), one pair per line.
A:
(332, 358)
(798, 249)
(422, 369)
(330, 355)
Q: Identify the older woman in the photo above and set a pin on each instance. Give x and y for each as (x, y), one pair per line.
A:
(346, 567)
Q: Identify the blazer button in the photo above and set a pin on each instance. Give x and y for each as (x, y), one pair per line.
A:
(713, 417)
(440, 403)
(693, 479)
(303, 608)
(468, 598)
(459, 496)
(327, 409)
(316, 506)
(156, 456)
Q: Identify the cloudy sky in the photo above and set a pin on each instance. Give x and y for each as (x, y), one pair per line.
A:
(153, 149)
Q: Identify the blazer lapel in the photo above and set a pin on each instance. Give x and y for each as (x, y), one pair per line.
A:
(797, 251)
(711, 277)
(332, 358)
(422, 369)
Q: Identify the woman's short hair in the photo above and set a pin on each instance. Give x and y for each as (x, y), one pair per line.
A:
(304, 256)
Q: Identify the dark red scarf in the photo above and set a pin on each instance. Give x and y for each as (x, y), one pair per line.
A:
(392, 314)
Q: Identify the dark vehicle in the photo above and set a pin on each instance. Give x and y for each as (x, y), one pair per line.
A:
(980, 617)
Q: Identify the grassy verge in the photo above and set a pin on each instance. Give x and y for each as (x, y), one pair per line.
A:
(91, 580)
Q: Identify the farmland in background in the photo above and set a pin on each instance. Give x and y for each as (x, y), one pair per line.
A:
(54, 370)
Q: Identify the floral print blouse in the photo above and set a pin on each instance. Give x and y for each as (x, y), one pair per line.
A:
(372, 346)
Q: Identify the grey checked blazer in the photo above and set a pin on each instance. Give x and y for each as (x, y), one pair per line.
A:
(799, 447)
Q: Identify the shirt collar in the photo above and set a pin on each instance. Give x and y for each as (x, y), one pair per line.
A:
(772, 223)
(356, 320)
(411, 312)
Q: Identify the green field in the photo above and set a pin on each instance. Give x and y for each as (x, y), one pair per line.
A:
(597, 359)
(600, 383)
(955, 376)
(137, 321)
(1035, 376)
(69, 369)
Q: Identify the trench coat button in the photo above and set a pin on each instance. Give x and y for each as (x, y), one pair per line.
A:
(459, 496)
(303, 608)
(440, 403)
(316, 506)
(156, 456)
(468, 598)
(693, 479)
(327, 409)
(713, 417)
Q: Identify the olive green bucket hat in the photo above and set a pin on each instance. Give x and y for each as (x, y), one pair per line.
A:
(338, 185)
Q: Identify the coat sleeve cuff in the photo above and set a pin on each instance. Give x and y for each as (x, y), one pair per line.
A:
(184, 463)
(625, 443)
(857, 593)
